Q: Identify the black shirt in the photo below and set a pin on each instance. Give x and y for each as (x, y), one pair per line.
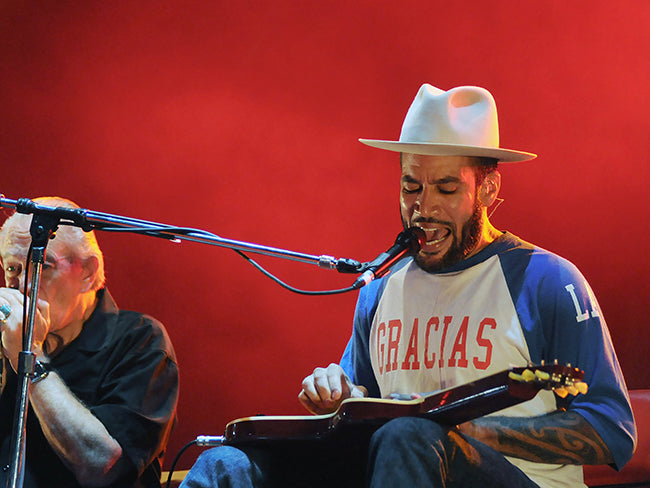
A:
(122, 366)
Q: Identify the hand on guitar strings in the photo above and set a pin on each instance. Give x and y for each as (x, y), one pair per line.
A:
(325, 389)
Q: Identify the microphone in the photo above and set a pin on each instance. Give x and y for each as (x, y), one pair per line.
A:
(408, 242)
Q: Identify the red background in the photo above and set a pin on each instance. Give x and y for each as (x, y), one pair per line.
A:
(242, 118)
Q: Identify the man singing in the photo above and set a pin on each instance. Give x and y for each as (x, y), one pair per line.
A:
(473, 301)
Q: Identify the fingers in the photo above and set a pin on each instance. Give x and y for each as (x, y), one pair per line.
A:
(325, 389)
(310, 405)
(12, 328)
(330, 382)
(358, 391)
(12, 302)
(15, 300)
(11, 336)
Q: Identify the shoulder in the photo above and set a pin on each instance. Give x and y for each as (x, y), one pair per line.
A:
(370, 294)
(142, 331)
(535, 264)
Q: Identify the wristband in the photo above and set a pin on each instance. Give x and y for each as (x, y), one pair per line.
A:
(41, 370)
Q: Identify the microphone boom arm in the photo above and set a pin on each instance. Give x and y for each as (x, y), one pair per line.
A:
(90, 220)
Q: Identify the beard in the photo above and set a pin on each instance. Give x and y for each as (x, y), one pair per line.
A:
(461, 246)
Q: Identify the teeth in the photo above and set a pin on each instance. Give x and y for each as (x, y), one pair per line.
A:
(437, 235)
(436, 241)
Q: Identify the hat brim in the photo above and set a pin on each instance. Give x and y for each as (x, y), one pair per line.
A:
(431, 149)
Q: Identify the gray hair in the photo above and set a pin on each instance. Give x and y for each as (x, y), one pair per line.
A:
(85, 243)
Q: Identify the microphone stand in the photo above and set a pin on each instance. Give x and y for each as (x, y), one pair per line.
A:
(46, 220)
(41, 230)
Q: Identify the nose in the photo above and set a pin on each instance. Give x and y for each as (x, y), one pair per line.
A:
(11, 281)
(18, 282)
(428, 202)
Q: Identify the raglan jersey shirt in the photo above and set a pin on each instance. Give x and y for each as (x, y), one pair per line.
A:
(508, 305)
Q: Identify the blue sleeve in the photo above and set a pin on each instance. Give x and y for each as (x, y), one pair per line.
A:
(356, 357)
(346, 359)
(561, 320)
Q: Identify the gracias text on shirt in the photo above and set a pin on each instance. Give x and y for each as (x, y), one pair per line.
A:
(465, 340)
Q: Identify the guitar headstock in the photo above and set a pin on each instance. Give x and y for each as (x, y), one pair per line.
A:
(563, 380)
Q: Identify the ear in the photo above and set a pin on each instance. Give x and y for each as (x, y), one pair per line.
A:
(88, 273)
(489, 189)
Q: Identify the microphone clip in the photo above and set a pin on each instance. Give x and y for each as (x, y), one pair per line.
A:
(407, 243)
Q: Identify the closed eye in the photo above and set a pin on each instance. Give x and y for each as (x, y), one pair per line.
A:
(411, 189)
(447, 189)
(410, 185)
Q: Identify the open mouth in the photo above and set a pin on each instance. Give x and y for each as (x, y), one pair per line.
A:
(435, 235)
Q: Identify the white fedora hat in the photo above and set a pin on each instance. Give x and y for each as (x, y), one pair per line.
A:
(458, 122)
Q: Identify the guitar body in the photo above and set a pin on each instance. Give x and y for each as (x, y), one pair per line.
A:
(357, 418)
(354, 416)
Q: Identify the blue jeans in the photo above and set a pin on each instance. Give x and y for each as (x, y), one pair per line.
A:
(406, 452)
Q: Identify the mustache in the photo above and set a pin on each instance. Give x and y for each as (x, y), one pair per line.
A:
(432, 220)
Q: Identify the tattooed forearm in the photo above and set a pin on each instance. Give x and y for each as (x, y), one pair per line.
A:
(556, 438)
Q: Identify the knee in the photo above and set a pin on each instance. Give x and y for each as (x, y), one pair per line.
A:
(406, 430)
(219, 461)
(225, 458)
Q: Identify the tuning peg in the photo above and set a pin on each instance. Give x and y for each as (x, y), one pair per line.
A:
(528, 375)
(581, 386)
(561, 392)
(572, 390)
(542, 375)
(515, 377)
